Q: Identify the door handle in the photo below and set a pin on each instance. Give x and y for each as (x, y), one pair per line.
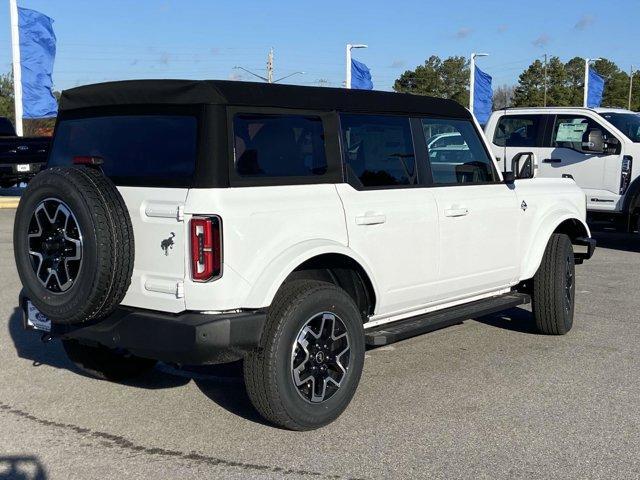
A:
(552, 160)
(456, 212)
(371, 219)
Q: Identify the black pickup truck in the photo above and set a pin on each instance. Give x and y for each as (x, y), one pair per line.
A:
(21, 158)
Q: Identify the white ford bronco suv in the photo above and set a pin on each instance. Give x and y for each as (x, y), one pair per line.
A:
(595, 147)
(196, 222)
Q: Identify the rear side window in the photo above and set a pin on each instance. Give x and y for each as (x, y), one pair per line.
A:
(518, 131)
(378, 150)
(279, 145)
(456, 153)
(154, 150)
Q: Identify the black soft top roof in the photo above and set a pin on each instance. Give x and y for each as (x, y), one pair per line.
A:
(220, 92)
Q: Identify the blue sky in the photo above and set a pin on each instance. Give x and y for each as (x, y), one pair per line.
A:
(124, 39)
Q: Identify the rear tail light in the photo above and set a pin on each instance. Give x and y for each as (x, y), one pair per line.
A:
(206, 248)
(625, 175)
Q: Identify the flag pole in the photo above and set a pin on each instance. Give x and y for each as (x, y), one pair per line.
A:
(347, 78)
(17, 70)
(472, 77)
(586, 82)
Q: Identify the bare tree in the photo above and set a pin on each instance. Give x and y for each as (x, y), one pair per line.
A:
(502, 96)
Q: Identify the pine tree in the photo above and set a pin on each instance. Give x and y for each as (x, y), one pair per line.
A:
(447, 78)
(530, 89)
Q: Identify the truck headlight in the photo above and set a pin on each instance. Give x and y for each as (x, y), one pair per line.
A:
(625, 173)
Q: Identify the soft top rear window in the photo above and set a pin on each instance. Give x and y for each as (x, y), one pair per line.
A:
(146, 150)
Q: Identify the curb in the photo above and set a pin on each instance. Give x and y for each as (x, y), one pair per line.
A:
(9, 202)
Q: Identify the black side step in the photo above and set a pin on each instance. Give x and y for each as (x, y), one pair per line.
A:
(410, 327)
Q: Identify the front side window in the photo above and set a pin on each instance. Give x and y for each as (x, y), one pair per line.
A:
(378, 150)
(517, 131)
(278, 145)
(627, 123)
(456, 153)
(570, 131)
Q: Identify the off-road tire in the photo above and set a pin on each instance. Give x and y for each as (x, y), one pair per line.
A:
(554, 287)
(104, 363)
(267, 369)
(108, 244)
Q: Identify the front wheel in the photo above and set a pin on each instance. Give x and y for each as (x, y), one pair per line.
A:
(307, 368)
(554, 287)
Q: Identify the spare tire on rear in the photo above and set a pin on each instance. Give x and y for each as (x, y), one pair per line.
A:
(73, 244)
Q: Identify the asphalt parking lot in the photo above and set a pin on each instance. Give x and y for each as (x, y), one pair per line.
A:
(485, 399)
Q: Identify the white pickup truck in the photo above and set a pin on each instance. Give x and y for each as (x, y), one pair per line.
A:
(595, 147)
(197, 222)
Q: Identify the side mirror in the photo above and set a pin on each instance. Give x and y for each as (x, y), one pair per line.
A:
(524, 165)
(595, 141)
(508, 177)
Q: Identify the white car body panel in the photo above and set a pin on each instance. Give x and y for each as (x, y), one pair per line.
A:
(422, 248)
(260, 225)
(158, 276)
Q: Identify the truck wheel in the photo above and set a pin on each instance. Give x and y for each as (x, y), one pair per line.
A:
(73, 244)
(104, 363)
(554, 287)
(310, 358)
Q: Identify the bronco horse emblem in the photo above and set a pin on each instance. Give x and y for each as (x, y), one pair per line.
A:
(167, 243)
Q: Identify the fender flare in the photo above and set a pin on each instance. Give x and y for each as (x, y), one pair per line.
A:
(549, 224)
(266, 286)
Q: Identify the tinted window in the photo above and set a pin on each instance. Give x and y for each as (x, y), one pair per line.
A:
(517, 131)
(6, 128)
(378, 150)
(279, 145)
(456, 153)
(627, 123)
(570, 131)
(153, 149)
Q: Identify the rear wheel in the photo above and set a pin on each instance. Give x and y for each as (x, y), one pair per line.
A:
(307, 368)
(554, 287)
(104, 363)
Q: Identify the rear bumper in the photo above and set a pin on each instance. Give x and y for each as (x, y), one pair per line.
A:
(190, 338)
(9, 172)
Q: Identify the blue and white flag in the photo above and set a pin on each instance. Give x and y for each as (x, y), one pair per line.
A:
(482, 96)
(596, 87)
(360, 76)
(37, 54)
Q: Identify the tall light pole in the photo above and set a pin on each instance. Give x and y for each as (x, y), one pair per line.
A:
(17, 69)
(347, 82)
(630, 86)
(270, 66)
(472, 77)
(587, 61)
